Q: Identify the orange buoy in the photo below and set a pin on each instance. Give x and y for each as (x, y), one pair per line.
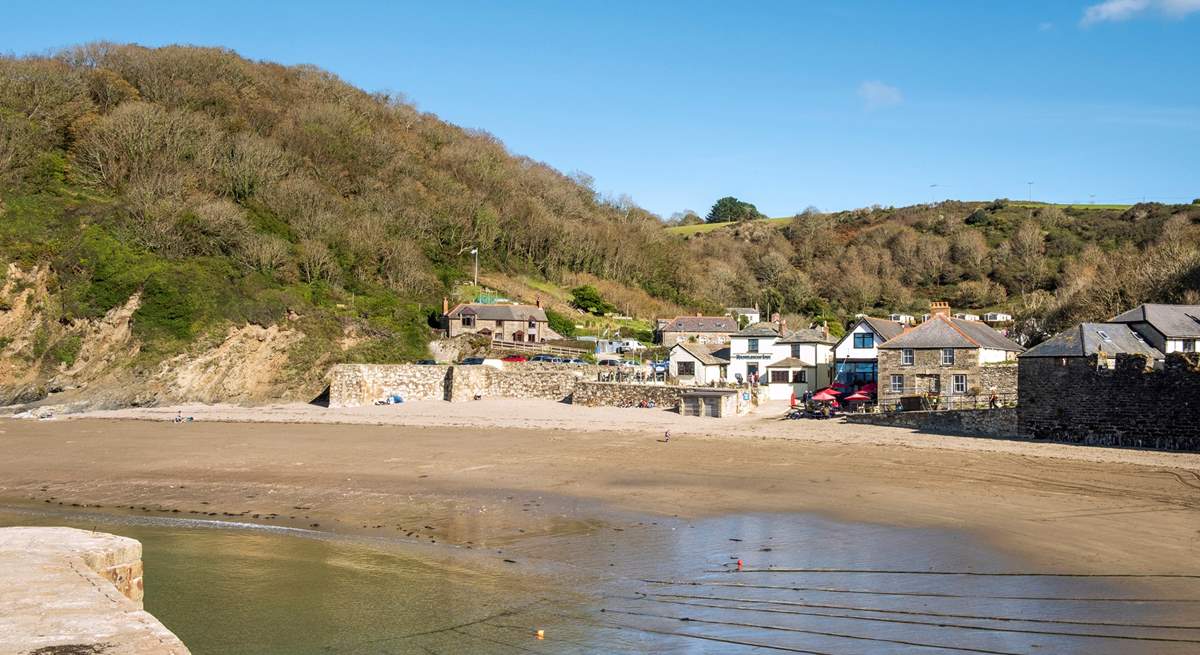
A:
(739, 565)
(541, 634)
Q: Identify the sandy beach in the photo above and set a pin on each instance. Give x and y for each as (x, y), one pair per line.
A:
(500, 471)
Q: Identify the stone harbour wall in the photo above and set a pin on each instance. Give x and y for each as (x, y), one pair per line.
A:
(596, 394)
(355, 385)
(1071, 399)
(64, 590)
(965, 422)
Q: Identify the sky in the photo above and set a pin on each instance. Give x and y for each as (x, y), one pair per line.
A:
(783, 104)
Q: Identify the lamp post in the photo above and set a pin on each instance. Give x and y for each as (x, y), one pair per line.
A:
(475, 252)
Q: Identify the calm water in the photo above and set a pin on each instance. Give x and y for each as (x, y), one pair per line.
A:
(625, 587)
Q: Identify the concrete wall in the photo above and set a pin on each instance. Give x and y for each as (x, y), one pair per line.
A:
(968, 422)
(1070, 399)
(595, 394)
(355, 385)
(75, 591)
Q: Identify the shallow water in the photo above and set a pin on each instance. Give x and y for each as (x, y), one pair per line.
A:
(624, 588)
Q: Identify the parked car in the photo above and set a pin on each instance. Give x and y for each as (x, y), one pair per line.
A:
(574, 360)
(472, 361)
(425, 362)
(661, 367)
(610, 362)
(548, 359)
(515, 358)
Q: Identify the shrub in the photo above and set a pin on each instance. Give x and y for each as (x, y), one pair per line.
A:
(560, 324)
(588, 299)
(67, 349)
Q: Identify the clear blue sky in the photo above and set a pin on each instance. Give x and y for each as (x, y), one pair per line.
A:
(788, 104)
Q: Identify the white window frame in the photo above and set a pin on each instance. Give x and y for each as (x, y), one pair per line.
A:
(956, 388)
(947, 361)
(752, 345)
(896, 383)
(907, 357)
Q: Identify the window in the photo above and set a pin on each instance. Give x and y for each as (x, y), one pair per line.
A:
(686, 368)
(796, 350)
(1103, 335)
(468, 320)
(947, 356)
(799, 377)
(897, 384)
(864, 340)
(960, 385)
(1189, 346)
(533, 324)
(906, 357)
(752, 369)
(499, 325)
(752, 345)
(779, 377)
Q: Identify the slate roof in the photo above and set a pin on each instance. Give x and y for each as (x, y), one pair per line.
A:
(499, 312)
(1091, 338)
(760, 329)
(707, 354)
(1173, 321)
(808, 335)
(942, 331)
(701, 324)
(790, 362)
(885, 328)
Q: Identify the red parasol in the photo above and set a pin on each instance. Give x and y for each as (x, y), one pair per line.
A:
(830, 390)
(857, 396)
(839, 385)
(824, 395)
(868, 387)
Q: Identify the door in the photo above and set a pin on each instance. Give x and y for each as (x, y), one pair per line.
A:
(712, 406)
(691, 406)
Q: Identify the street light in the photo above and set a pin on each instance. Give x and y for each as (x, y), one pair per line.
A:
(475, 252)
(1030, 191)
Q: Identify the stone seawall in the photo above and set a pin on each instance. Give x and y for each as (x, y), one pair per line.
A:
(1073, 400)
(966, 422)
(594, 394)
(64, 590)
(355, 385)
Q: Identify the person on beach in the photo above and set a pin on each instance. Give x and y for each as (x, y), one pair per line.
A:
(667, 436)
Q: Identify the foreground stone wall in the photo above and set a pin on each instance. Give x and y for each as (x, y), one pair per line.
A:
(596, 394)
(967, 422)
(64, 590)
(353, 385)
(1070, 399)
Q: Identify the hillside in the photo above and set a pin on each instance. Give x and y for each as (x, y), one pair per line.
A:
(182, 223)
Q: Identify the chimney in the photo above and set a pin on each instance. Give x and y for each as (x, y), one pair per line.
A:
(445, 305)
(825, 329)
(538, 302)
(782, 327)
(939, 307)
(775, 317)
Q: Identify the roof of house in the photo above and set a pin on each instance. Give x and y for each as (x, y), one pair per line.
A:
(885, 328)
(808, 335)
(499, 312)
(701, 324)
(1170, 320)
(707, 354)
(1091, 338)
(760, 329)
(790, 362)
(942, 331)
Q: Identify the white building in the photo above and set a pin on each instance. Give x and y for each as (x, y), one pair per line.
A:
(751, 314)
(997, 317)
(698, 363)
(857, 353)
(802, 362)
(966, 317)
(1169, 328)
(750, 351)
(903, 319)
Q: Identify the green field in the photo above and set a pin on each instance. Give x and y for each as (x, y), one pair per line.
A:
(688, 230)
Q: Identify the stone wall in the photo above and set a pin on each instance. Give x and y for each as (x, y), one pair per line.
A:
(355, 385)
(966, 422)
(927, 365)
(1071, 399)
(64, 590)
(596, 394)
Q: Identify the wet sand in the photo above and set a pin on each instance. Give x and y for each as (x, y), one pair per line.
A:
(464, 484)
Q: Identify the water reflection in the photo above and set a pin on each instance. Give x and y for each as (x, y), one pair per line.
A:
(623, 585)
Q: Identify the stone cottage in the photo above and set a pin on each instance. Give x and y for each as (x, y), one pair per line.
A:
(947, 357)
(526, 323)
(1169, 328)
(696, 329)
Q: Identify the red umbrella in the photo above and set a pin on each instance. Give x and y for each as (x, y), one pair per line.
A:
(839, 385)
(824, 395)
(857, 396)
(830, 390)
(869, 387)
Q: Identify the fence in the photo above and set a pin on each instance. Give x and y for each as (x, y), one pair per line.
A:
(536, 348)
(939, 403)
